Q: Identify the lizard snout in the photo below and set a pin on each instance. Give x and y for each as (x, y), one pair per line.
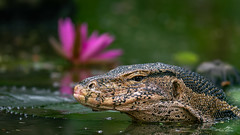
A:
(78, 89)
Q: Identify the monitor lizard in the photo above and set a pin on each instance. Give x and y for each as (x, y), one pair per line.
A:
(156, 92)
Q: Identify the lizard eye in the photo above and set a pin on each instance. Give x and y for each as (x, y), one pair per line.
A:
(137, 78)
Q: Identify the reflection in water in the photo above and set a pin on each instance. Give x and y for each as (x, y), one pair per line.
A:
(226, 127)
(168, 128)
(65, 87)
(76, 75)
(94, 122)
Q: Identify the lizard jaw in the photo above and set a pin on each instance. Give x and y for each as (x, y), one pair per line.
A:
(96, 100)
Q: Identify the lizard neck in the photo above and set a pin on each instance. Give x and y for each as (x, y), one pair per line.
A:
(208, 108)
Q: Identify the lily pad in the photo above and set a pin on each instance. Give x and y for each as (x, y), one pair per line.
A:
(23, 97)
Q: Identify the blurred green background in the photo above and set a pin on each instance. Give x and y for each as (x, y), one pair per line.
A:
(179, 32)
(169, 31)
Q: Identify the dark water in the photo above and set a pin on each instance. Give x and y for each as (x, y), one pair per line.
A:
(90, 124)
(98, 124)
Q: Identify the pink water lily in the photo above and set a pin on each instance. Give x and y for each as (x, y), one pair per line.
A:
(78, 48)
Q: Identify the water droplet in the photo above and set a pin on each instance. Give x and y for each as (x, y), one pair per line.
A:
(100, 131)
(56, 93)
(177, 130)
(23, 88)
(34, 88)
(54, 75)
(56, 84)
(108, 118)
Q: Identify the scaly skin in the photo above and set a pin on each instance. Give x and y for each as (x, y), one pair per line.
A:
(156, 92)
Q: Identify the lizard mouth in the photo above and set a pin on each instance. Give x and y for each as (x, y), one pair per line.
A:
(102, 101)
(79, 92)
(91, 98)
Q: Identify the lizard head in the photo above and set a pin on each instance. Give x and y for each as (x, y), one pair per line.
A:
(127, 88)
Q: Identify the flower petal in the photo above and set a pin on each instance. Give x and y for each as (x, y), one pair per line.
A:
(93, 37)
(66, 33)
(108, 55)
(95, 45)
(57, 46)
(85, 45)
(83, 36)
